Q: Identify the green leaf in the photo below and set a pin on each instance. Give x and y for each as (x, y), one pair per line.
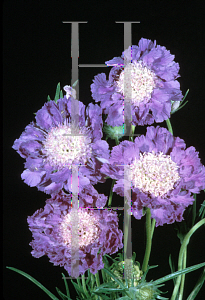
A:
(89, 278)
(34, 281)
(63, 296)
(116, 280)
(175, 274)
(145, 273)
(66, 285)
(171, 264)
(78, 288)
(57, 95)
(48, 98)
(61, 94)
(202, 210)
(180, 106)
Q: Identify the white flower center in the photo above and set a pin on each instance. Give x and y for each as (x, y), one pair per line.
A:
(88, 228)
(154, 173)
(142, 82)
(62, 149)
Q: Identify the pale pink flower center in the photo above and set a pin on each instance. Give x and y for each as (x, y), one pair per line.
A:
(62, 149)
(154, 173)
(142, 82)
(88, 228)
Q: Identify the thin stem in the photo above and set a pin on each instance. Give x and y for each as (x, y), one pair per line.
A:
(98, 281)
(92, 284)
(104, 276)
(153, 226)
(183, 276)
(169, 126)
(181, 253)
(149, 241)
(111, 193)
(84, 285)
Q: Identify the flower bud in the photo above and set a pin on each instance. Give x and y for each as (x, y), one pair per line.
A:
(175, 105)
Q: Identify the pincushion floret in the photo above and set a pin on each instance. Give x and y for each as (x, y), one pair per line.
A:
(51, 230)
(54, 142)
(152, 77)
(163, 174)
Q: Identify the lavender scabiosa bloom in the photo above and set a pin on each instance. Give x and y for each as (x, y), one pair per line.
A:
(162, 174)
(51, 228)
(50, 149)
(153, 83)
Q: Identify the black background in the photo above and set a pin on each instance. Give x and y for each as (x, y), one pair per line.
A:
(36, 56)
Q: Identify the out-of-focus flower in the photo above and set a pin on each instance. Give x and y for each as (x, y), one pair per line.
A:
(153, 75)
(162, 174)
(51, 228)
(53, 143)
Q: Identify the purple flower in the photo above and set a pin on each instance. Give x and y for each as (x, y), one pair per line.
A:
(51, 228)
(161, 172)
(50, 149)
(153, 85)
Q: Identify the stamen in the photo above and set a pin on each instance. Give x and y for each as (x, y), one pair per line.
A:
(154, 173)
(88, 228)
(62, 149)
(143, 81)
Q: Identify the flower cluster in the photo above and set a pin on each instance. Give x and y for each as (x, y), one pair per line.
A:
(160, 171)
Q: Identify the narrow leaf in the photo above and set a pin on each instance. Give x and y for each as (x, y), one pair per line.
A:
(78, 289)
(172, 267)
(184, 271)
(202, 210)
(66, 285)
(61, 94)
(63, 296)
(48, 98)
(34, 281)
(57, 95)
(113, 276)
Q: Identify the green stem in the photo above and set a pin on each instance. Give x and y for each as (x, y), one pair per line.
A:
(111, 193)
(92, 284)
(84, 285)
(149, 241)
(183, 276)
(169, 126)
(98, 281)
(153, 226)
(181, 253)
(104, 276)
